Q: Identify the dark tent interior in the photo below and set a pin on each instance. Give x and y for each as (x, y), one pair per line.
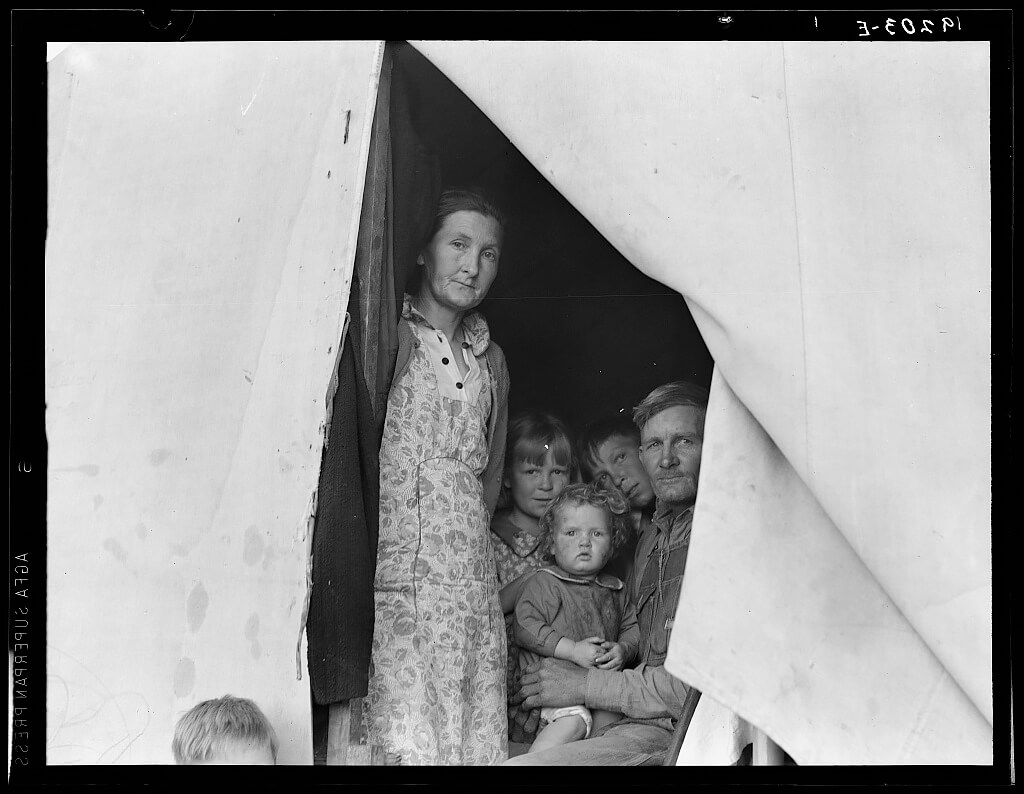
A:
(586, 334)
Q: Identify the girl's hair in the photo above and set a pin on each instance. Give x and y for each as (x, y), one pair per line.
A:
(531, 435)
(579, 494)
(459, 199)
(212, 726)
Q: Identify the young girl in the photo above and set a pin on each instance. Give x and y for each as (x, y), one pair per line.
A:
(572, 610)
(538, 465)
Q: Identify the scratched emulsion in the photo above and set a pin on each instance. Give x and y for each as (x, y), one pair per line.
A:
(252, 630)
(184, 677)
(88, 469)
(253, 546)
(198, 601)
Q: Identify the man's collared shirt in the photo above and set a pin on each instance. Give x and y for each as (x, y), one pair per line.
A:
(658, 579)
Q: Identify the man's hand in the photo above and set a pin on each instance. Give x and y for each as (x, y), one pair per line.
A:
(551, 682)
(523, 724)
(612, 657)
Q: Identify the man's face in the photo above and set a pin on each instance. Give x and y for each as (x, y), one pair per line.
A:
(617, 463)
(670, 447)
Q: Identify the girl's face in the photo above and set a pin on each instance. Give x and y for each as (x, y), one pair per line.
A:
(532, 487)
(581, 540)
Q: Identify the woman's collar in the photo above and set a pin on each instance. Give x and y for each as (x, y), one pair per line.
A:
(474, 326)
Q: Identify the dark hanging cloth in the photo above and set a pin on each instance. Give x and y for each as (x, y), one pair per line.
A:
(403, 183)
(416, 184)
(339, 625)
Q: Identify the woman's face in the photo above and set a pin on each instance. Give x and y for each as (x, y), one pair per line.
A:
(461, 261)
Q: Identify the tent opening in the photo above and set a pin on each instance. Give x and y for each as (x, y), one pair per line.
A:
(586, 335)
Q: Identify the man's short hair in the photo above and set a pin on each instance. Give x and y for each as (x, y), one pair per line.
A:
(594, 435)
(210, 727)
(671, 395)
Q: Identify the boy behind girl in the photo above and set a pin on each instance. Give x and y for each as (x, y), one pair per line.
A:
(225, 730)
(609, 457)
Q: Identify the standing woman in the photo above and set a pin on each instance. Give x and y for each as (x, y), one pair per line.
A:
(437, 679)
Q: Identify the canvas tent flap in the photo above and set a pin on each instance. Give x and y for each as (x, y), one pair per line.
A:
(824, 208)
(200, 241)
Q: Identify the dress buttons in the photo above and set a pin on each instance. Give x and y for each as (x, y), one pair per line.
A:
(465, 345)
(444, 361)
(458, 385)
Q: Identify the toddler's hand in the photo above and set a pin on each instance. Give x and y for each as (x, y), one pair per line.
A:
(612, 657)
(586, 652)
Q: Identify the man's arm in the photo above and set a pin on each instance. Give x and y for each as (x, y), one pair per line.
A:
(643, 693)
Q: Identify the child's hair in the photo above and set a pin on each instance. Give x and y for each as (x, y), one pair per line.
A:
(577, 495)
(210, 727)
(531, 435)
(594, 435)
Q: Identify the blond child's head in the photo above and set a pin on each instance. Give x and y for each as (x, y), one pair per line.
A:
(582, 510)
(226, 730)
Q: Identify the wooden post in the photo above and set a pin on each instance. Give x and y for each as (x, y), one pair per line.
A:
(338, 729)
(765, 751)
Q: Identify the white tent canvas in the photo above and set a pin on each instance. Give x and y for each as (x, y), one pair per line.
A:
(197, 273)
(823, 208)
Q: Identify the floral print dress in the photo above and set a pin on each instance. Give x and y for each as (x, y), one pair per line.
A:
(437, 680)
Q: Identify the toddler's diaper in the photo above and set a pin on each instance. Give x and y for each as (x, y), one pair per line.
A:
(548, 714)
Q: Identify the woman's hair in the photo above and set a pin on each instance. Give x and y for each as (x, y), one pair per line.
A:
(460, 199)
(579, 494)
(531, 435)
(671, 395)
(211, 727)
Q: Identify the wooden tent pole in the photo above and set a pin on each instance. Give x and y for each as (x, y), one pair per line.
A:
(689, 706)
(765, 751)
(338, 730)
